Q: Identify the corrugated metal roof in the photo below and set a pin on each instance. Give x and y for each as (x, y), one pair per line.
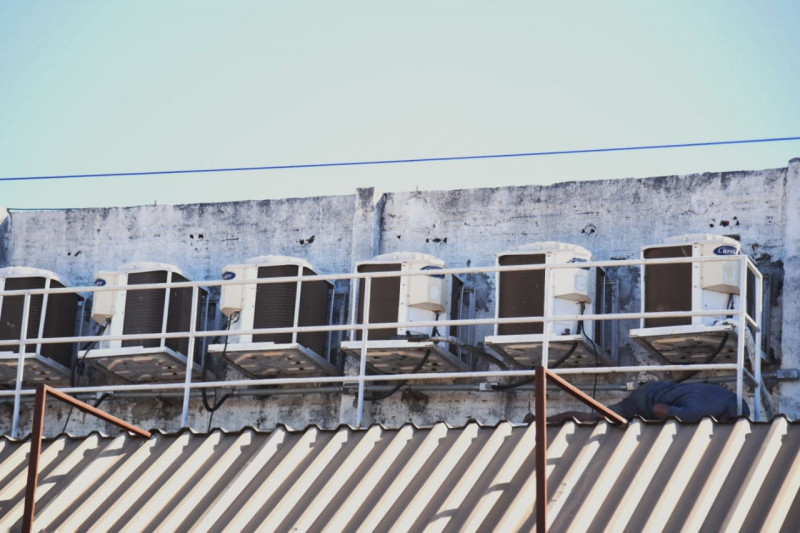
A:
(644, 477)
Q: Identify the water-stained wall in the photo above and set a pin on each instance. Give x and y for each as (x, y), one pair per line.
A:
(613, 219)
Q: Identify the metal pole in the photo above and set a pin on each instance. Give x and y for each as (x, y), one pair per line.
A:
(742, 332)
(33, 459)
(496, 325)
(354, 288)
(43, 315)
(642, 282)
(759, 296)
(329, 334)
(541, 448)
(362, 370)
(297, 295)
(36, 443)
(94, 411)
(23, 335)
(187, 390)
(166, 308)
(548, 312)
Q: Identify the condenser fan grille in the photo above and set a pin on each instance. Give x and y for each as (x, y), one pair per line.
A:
(275, 307)
(521, 294)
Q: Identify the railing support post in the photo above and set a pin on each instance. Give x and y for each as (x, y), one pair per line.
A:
(541, 448)
(33, 459)
(362, 363)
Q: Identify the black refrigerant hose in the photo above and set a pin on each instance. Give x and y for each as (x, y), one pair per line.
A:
(217, 403)
(73, 378)
(417, 368)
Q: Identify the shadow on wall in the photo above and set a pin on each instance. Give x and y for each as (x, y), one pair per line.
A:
(5, 229)
(773, 273)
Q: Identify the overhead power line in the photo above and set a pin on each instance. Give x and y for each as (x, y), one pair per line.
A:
(398, 161)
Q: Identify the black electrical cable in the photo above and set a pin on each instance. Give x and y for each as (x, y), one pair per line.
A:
(514, 385)
(101, 399)
(480, 351)
(709, 359)
(79, 362)
(594, 350)
(452, 340)
(713, 355)
(417, 367)
(560, 361)
(217, 403)
(525, 381)
(401, 161)
(400, 385)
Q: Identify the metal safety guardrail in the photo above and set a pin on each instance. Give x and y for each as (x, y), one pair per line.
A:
(739, 316)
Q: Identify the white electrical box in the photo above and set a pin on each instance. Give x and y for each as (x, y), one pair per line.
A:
(103, 303)
(572, 284)
(568, 283)
(721, 276)
(426, 292)
(232, 297)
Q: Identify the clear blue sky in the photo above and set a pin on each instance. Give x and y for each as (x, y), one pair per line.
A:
(124, 86)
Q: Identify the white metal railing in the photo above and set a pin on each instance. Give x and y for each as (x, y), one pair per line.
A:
(15, 349)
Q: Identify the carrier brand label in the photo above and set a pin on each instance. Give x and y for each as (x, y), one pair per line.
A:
(429, 267)
(99, 282)
(228, 275)
(726, 250)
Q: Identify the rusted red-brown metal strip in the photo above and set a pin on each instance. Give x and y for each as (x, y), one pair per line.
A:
(36, 442)
(542, 377)
(585, 398)
(33, 458)
(86, 408)
(541, 449)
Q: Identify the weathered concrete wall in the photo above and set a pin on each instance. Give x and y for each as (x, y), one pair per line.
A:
(790, 391)
(199, 238)
(4, 235)
(613, 219)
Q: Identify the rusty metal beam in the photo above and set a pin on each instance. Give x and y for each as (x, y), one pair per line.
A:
(541, 448)
(86, 408)
(33, 458)
(544, 375)
(36, 442)
(580, 395)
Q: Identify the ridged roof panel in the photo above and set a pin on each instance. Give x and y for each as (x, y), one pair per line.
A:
(643, 477)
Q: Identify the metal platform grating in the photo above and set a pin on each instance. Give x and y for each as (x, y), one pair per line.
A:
(269, 359)
(137, 364)
(525, 351)
(690, 344)
(402, 356)
(36, 370)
